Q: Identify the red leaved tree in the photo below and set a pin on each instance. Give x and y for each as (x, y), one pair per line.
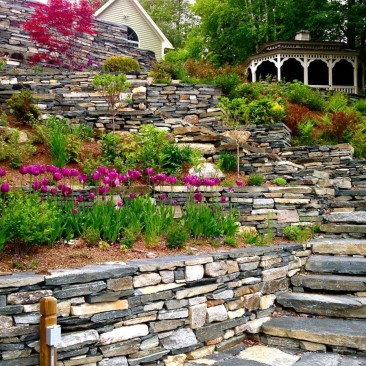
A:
(57, 28)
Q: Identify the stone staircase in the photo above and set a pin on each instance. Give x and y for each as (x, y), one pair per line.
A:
(327, 309)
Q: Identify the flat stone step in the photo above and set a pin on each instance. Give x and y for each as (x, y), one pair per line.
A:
(336, 228)
(334, 332)
(330, 305)
(357, 217)
(330, 264)
(339, 246)
(337, 283)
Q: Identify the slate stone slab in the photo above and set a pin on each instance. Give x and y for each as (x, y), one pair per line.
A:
(20, 280)
(340, 246)
(337, 332)
(330, 264)
(358, 217)
(89, 274)
(330, 283)
(326, 359)
(329, 305)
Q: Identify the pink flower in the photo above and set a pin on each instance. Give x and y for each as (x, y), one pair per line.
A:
(53, 191)
(119, 204)
(239, 183)
(102, 170)
(66, 172)
(223, 199)
(74, 172)
(122, 178)
(162, 197)
(57, 176)
(91, 195)
(149, 171)
(106, 180)
(95, 175)
(37, 185)
(83, 178)
(171, 179)
(198, 197)
(45, 181)
(75, 211)
(5, 188)
(103, 190)
(134, 174)
(23, 170)
(2, 172)
(132, 195)
(80, 198)
(44, 189)
(174, 202)
(231, 189)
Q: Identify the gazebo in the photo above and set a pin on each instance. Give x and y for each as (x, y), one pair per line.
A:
(322, 65)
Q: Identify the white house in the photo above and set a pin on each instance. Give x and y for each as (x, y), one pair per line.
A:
(142, 30)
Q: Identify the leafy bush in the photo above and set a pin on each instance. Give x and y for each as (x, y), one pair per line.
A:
(228, 82)
(299, 93)
(295, 114)
(64, 141)
(255, 180)
(265, 111)
(337, 102)
(227, 161)
(279, 181)
(22, 107)
(176, 236)
(12, 149)
(175, 156)
(305, 133)
(249, 91)
(120, 64)
(28, 220)
(297, 233)
(360, 106)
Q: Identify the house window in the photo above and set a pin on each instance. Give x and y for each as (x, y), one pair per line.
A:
(132, 37)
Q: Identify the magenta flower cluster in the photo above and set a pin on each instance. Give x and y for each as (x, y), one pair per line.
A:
(4, 187)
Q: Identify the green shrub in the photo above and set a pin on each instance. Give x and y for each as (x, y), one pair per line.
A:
(175, 156)
(22, 107)
(250, 91)
(255, 180)
(360, 106)
(253, 239)
(337, 102)
(299, 93)
(227, 161)
(120, 64)
(162, 72)
(228, 82)
(176, 236)
(297, 233)
(279, 181)
(230, 240)
(26, 220)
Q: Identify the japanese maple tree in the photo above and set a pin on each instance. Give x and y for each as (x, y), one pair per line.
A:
(57, 28)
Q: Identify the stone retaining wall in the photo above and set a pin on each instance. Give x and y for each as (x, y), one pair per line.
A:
(117, 314)
(109, 39)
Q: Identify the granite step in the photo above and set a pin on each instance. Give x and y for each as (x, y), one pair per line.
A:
(335, 265)
(344, 306)
(339, 246)
(337, 283)
(332, 332)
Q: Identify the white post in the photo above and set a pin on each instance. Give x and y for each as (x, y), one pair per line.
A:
(330, 74)
(306, 70)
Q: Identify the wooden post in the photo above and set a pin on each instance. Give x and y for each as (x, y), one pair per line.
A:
(48, 309)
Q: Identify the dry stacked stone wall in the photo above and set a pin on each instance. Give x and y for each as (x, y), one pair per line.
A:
(109, 39)
(143, 311)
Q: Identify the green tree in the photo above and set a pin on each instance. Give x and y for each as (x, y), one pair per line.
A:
(111, 86)
(173, 17)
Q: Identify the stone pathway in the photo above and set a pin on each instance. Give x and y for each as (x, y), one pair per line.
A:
(268, 356)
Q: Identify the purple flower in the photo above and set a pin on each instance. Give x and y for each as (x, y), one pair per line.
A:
(37, 185)
(134, 174)
(198, 197)
(52, 169)
(91, 195)
(45, 181)
(171, 179)
(57, 176)
(83, 178)
(113, 174)
(23, 170)
(34, 170)
(223, 199)
(102, 170)
(231, 189)
(174, 202)
(95, 175)
(122, 178)
(75, 211)
(66, 172)
(133, 195)
(162, 197)
(114, 183)
(44, 189)
(2, 172)
(74, 172)
(119, 204)
(149, 171)
(239, 183)
(53, 191)
(5, 188)
(106, 180)
(80, 198)
(103, 190)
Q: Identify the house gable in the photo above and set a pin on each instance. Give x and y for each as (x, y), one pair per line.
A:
(131, 13)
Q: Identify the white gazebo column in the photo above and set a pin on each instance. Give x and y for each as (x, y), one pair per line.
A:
(355, 75)
(253, 70)
(330, 64)
(278, 65)
(306, 70)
